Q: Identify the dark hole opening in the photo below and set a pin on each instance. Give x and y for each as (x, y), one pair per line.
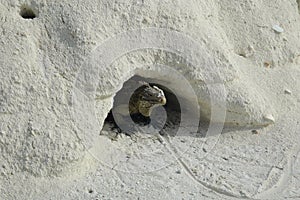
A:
(90, 191)
(27, 13)
(172, 108)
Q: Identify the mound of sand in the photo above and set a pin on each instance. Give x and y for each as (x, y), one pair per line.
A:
(64, 62)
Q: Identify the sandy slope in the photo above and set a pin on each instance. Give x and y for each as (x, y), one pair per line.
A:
(47, 154)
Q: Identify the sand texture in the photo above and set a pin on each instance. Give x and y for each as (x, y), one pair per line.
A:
(230, 70)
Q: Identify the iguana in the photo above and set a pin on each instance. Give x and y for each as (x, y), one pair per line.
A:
(141, 104)
(145, 98)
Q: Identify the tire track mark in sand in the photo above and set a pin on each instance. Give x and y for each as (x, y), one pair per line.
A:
(175, 154)
(276, 190)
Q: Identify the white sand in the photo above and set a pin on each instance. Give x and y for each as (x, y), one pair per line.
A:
(61, 70)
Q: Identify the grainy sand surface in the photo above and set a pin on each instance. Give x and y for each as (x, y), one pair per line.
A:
(63, 62)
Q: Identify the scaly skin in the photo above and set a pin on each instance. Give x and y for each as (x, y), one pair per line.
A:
(145, 98)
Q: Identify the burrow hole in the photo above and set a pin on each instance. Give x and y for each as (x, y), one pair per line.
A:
(172, 108)
(27, 12)
(90, 191)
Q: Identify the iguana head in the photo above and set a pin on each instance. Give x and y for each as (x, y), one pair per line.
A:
(149, 98)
